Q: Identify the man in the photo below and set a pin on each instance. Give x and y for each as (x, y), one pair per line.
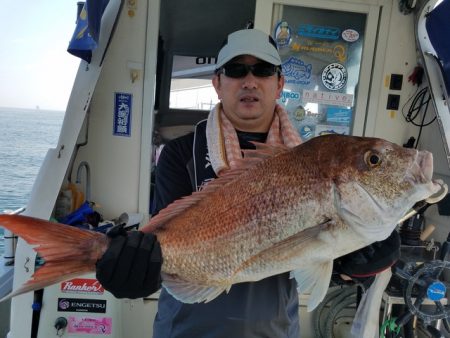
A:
(248, 82)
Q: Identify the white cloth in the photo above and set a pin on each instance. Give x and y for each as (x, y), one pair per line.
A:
(223, 143)
(367, 318)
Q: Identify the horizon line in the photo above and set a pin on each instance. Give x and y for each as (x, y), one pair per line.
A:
(36, 108)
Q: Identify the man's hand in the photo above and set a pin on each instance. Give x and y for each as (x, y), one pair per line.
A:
(131, 266)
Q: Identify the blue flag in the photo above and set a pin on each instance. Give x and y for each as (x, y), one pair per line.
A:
(87, 31)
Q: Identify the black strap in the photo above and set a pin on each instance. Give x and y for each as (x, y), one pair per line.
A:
(200, 168)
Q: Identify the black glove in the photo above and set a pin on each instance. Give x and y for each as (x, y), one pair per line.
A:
(131, 266)
(371, 259)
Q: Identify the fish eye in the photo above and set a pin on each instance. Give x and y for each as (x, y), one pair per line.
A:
(372, 159)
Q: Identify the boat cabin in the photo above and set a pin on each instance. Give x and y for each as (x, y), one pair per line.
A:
(355, 67)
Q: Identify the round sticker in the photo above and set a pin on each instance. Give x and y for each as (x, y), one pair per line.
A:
(350, 35)
(299, 113)
(64, 304)
(436, 291)
(334, 76)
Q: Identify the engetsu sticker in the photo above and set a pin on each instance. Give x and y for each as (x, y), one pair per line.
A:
(81, 305)
(282, 34)
(334, 76)
(350, 35)
(89, 326)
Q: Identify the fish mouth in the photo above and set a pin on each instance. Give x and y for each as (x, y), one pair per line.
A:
(425, 162)
(422, 174)
(421, 170)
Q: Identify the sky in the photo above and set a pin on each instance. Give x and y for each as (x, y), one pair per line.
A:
(35, 68)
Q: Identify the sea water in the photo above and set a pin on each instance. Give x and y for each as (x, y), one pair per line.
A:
(25, 137)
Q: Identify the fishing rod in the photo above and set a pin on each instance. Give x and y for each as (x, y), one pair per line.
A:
(421, 206)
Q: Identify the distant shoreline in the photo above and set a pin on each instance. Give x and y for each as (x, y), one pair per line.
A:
(15, 109)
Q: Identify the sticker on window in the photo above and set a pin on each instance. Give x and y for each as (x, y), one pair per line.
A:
(350, 35)
(334, 76)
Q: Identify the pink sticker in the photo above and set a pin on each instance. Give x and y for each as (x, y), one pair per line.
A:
(90, 325)
(350, 35)
(330, 98)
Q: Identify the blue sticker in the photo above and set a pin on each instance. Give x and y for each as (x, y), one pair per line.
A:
(328, 129)
(289, 95)
(282, 34)
(306, 132)
(339, 115)
(319, 32)
(436, 291)
(296, 71)
(122, 114)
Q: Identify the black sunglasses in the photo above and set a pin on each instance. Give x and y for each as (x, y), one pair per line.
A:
(239, 70)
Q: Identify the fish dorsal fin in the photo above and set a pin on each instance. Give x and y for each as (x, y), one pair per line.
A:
(264, 150)
(255, 157)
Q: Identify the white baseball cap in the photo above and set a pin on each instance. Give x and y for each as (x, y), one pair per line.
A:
(249, 42)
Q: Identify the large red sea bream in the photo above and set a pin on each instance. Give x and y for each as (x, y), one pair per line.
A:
(295, 210)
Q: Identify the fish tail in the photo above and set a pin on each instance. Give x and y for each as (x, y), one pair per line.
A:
(66, 250)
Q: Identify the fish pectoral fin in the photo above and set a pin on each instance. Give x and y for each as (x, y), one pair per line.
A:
(188, 292)
(315, 279)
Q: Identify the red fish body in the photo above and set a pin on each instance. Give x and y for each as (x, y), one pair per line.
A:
(294, 211)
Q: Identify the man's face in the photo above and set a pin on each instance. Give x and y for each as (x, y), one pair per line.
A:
(249, 102)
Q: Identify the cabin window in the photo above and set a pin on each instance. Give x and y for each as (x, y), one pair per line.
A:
(321, 53)
(190, 85)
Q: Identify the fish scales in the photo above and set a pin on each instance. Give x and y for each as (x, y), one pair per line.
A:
(244, 218)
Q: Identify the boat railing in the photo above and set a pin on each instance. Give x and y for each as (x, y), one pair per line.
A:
(10, 240)
(7, 259)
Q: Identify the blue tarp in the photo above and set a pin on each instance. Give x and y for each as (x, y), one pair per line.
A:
(86, 35)
(438, 28)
